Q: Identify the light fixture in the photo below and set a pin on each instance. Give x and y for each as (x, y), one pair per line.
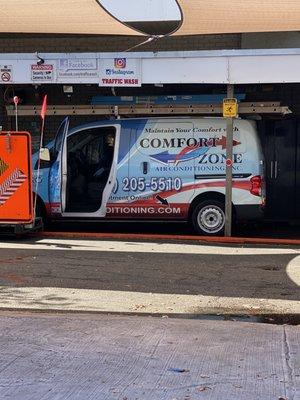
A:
(68, 89)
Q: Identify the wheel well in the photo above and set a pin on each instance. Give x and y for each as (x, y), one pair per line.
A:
(208, 196)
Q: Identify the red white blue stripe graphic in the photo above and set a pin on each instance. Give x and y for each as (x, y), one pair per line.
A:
(11, 185)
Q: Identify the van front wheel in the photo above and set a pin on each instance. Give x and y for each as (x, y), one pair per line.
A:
(208, 218)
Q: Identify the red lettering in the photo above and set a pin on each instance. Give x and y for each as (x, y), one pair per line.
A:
(131, 81)
(110, 81)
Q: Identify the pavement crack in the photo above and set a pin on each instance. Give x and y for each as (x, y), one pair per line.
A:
(289, 368)
(10, 363)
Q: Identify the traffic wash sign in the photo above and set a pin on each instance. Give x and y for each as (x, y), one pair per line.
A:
(120, 72)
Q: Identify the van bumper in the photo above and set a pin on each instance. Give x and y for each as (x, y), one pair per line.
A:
(251, 212)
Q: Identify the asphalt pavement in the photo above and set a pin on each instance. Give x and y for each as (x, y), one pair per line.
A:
(216, 350)
(174, 278)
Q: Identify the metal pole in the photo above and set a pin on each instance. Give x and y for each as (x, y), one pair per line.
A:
(16, 108)
(229, 154)
(16, 102)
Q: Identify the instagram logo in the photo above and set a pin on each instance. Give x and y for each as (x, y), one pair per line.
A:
(120, 63)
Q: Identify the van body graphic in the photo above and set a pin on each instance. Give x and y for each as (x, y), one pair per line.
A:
(157, 168)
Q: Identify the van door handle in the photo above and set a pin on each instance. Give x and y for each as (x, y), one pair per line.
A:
(272, 165)
(275, 169)
(145, 167)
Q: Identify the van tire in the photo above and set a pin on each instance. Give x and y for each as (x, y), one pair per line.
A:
(39, 210)
(40, 213)
(208, 218)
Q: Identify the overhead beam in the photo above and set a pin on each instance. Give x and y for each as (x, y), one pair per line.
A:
(199, 17)
(220, 67)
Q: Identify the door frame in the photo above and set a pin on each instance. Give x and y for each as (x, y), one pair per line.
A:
(101, 212)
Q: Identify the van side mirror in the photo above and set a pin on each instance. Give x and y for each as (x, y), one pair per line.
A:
(44, 154)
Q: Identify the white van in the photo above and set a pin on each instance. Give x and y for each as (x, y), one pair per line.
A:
(152, 169)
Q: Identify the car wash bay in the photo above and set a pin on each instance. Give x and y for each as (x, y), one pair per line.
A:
(281, 145)
(279, 134)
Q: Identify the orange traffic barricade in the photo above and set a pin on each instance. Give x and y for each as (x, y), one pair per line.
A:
(16, 196)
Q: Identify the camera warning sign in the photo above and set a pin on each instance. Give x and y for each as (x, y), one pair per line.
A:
(42, 73)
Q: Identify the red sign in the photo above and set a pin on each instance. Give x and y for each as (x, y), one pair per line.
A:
(15, 177)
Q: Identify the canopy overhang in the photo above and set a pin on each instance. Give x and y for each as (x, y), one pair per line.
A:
(199, 17)
(207, 67)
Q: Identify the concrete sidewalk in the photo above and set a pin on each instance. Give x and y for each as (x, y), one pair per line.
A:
(75, 356)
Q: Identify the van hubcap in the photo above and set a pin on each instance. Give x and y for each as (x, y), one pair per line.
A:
(211, 219)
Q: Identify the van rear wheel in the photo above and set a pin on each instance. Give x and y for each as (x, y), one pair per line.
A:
(40, 214)
(208, 218)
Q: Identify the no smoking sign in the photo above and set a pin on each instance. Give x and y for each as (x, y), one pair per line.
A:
(5, 77)
(6, 73)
